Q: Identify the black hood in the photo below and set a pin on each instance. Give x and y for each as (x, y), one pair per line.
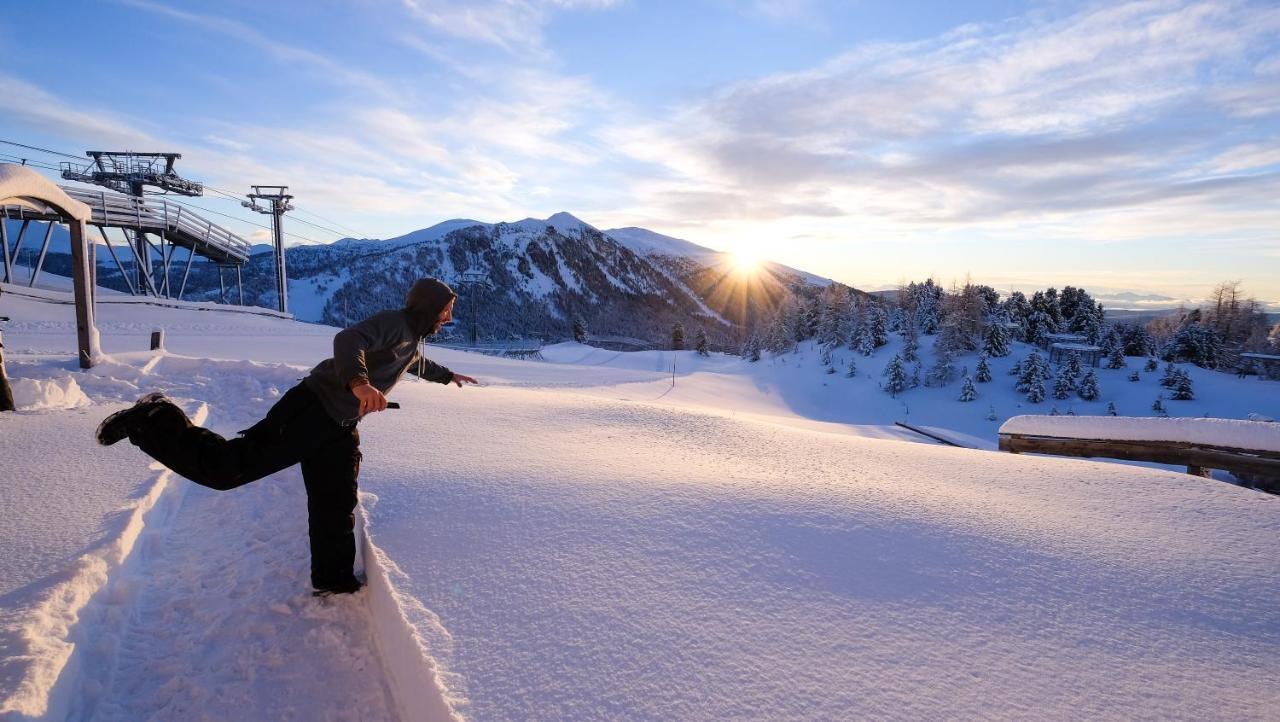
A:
(424, 302)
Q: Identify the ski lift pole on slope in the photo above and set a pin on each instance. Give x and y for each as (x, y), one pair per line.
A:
(6, 393)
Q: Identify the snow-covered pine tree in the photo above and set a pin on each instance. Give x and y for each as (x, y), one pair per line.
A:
(984, 371)
(943, 370)
(751, 350)
(1089, 386)
(825, 358)
(895, 377)
(1034, 369)
(1016, 369)
(1116, 359)
(852, 370)
(677, 336)
(911, 346)
(579, 330)
(991, 413)
(1151, 365)
(1170, 376)
(1063, 385)
(1158, 406)
(700, 343)
(1111, 409)
(866, 342)
(996, 342)
(877, 322)
(1053, 411)
(1073, 368)
(967, 391)
(1182, 390)
(1134, 376)
(914, 382)
(1036, 393)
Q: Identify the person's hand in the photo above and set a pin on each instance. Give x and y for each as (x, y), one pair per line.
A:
(371, 399)
(459, 379)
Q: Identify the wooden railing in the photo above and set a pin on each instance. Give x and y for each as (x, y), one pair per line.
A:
(1262, 468)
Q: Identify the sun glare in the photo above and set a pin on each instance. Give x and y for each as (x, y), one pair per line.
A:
(745, 261)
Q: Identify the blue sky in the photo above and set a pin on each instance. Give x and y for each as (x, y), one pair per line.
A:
(1119, 146)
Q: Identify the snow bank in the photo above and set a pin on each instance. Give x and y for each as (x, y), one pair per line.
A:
(1233, 433)
(415, 682)
(40, 394)
(37, 620)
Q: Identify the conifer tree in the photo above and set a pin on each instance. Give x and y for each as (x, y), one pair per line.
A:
(1073, 368)
(967, 391)
(1053, 411)
(1151, 365)
(1158, 406)
(996, 343)
(1034, 369)
(1111, 409)
(866, 343)
(1089, 386)
(991, 413)
(579, 330)
(1134, 376)
(1063, 385)
(943, 371)
(895, 377)
(876, 326)
(1036, 393)
(1182, 390)
(984, 371)
(915, 376)
(700, 343)
(1116, 359)
(852, 370)
(825, 358)
(1016, 369)
(911, 346)
(1170, 377)
(677, 336)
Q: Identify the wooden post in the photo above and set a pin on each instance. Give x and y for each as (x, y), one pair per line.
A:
(6, 394)
(86, 328)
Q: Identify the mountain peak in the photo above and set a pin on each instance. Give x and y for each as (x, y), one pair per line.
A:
(565, 221)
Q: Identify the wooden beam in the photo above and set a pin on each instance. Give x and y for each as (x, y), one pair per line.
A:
(1178, 453)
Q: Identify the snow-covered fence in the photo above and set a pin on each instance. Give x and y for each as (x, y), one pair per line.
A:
(1250, 448)
(514, 348)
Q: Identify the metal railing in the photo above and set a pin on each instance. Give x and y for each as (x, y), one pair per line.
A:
(179, 225)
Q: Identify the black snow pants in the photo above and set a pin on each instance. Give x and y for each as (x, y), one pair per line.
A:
(295, 430)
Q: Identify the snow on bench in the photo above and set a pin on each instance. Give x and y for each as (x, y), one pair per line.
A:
(1241, 447)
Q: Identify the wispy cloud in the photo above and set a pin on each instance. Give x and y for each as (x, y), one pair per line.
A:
(1110, 107)
(324, 66)
(515, 26)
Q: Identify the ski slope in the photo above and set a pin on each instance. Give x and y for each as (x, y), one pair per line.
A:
(581, 539)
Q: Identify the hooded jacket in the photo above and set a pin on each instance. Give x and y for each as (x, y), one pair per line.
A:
(379, 350)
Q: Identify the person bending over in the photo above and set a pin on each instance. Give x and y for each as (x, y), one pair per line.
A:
(313, 424)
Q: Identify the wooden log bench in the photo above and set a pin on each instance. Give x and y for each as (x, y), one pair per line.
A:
(1260, 467)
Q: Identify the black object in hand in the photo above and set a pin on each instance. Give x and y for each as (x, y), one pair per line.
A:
(393, 405)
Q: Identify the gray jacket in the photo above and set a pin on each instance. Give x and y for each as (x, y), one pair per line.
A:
(380, 348)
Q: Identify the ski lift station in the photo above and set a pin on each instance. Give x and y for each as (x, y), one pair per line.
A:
(151, 258)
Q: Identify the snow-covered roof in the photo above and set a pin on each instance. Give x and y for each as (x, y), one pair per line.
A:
(1231, 433)
(1064, 337)
(1076, 347)
(23, 186)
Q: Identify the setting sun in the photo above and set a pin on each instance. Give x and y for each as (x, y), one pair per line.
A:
(745, 261)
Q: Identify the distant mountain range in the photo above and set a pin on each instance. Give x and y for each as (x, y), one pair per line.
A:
(530, 276)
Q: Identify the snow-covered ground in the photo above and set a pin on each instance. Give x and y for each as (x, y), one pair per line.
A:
(580, 539)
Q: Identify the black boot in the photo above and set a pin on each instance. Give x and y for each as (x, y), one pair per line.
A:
(347, 585)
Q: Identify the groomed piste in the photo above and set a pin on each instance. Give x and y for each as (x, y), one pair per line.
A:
(580, 539)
